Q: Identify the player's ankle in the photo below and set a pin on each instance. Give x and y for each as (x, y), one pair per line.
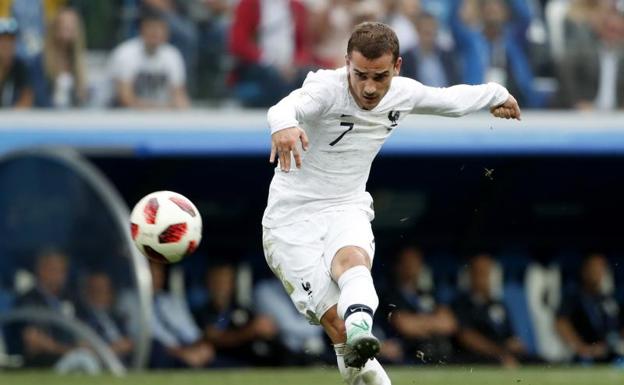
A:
(358, 320)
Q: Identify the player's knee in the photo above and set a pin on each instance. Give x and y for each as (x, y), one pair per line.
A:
(349, 257)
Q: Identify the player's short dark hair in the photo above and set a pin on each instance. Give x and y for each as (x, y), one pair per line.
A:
(373, 40)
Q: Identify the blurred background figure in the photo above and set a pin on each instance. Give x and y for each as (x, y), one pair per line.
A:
(592, 67)
(490, 36)
(213, 18)
(183, 33)
(429, 62)
(45, 345)
(332, 21)
(485, 334)
(239, 336)
(177, 341)
(97, 310)
(422, 326)
(269, 41)
(15, 77)
(63, 77)
(589, 320)
(304, 342)
(401, 15)
(147, 71)
(101, 22)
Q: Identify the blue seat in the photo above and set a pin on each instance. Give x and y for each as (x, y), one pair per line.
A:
(6, 301)
(516, 301)
(445, 267)
(514, 263)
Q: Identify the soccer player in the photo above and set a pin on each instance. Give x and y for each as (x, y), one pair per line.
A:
(317, 235)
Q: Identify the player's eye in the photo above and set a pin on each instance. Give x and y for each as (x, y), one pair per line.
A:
(361, 76)
(380, 78)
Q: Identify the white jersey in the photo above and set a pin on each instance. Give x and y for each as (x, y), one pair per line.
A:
(344, 138)
(152, 75)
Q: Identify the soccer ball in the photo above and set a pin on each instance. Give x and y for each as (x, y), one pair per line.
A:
(165, 226)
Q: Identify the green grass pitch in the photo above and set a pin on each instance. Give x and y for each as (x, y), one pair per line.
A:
(318, 376)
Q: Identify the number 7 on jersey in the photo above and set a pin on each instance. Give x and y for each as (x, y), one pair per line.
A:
(343, 124)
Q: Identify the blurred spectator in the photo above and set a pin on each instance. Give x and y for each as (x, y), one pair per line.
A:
(64, 81)
(592, 68)
(423, 326)
(430, 63)
(401, 15)
(269, 40)
(15, 83)
(240, 336)
(331, 24)
(100, 19)
(491, 38)
(213, 18)
(330, 27)
(295, 332)
(183, 32)
(46, 345)
(176, 339)
(485, 332)
(96, 309)
(147, 71)
(589, 319)
(30, 15)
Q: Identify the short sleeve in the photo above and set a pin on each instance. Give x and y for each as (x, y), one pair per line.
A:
(176, 67)
(122, 66)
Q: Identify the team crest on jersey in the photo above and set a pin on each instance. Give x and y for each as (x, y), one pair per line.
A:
(394, 117)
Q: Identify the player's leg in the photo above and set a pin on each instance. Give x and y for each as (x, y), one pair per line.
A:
(357, 303)
(371, 374)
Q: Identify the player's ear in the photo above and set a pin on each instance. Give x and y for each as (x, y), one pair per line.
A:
(397, 66)
(347, 60)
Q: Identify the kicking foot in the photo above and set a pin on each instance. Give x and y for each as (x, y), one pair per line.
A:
(361, 344)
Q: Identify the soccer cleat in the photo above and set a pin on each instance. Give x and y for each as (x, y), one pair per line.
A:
(361, 344)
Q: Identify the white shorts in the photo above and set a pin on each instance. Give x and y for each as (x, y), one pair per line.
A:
(300, 255)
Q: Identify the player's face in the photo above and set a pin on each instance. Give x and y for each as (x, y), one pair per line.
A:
(369, 80)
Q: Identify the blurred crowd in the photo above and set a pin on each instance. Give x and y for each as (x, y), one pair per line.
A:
(250, 53)
(435, 309)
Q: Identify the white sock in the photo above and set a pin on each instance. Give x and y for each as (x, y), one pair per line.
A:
(357, 293)
(371, 374)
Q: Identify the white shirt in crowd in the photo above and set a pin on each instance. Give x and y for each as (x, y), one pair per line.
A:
(606, 98)
(344, 139)
(277, 33)
(172, 323)
(153, 76)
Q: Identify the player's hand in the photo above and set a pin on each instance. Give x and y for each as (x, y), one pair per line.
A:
(264, 327)
(508, 361)
(508, 110)
(284, 142)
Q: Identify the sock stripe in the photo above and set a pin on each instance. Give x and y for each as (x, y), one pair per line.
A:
(357, 308)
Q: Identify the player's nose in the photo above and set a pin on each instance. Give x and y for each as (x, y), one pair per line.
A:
(369, 91)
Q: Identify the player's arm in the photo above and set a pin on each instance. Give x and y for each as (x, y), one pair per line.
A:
(284, 117)
(569, 335)
(37, 342)
(127, 97)
(478, 343)
(415, 325)
(463, 99)
(177, 74)
(179, 97)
